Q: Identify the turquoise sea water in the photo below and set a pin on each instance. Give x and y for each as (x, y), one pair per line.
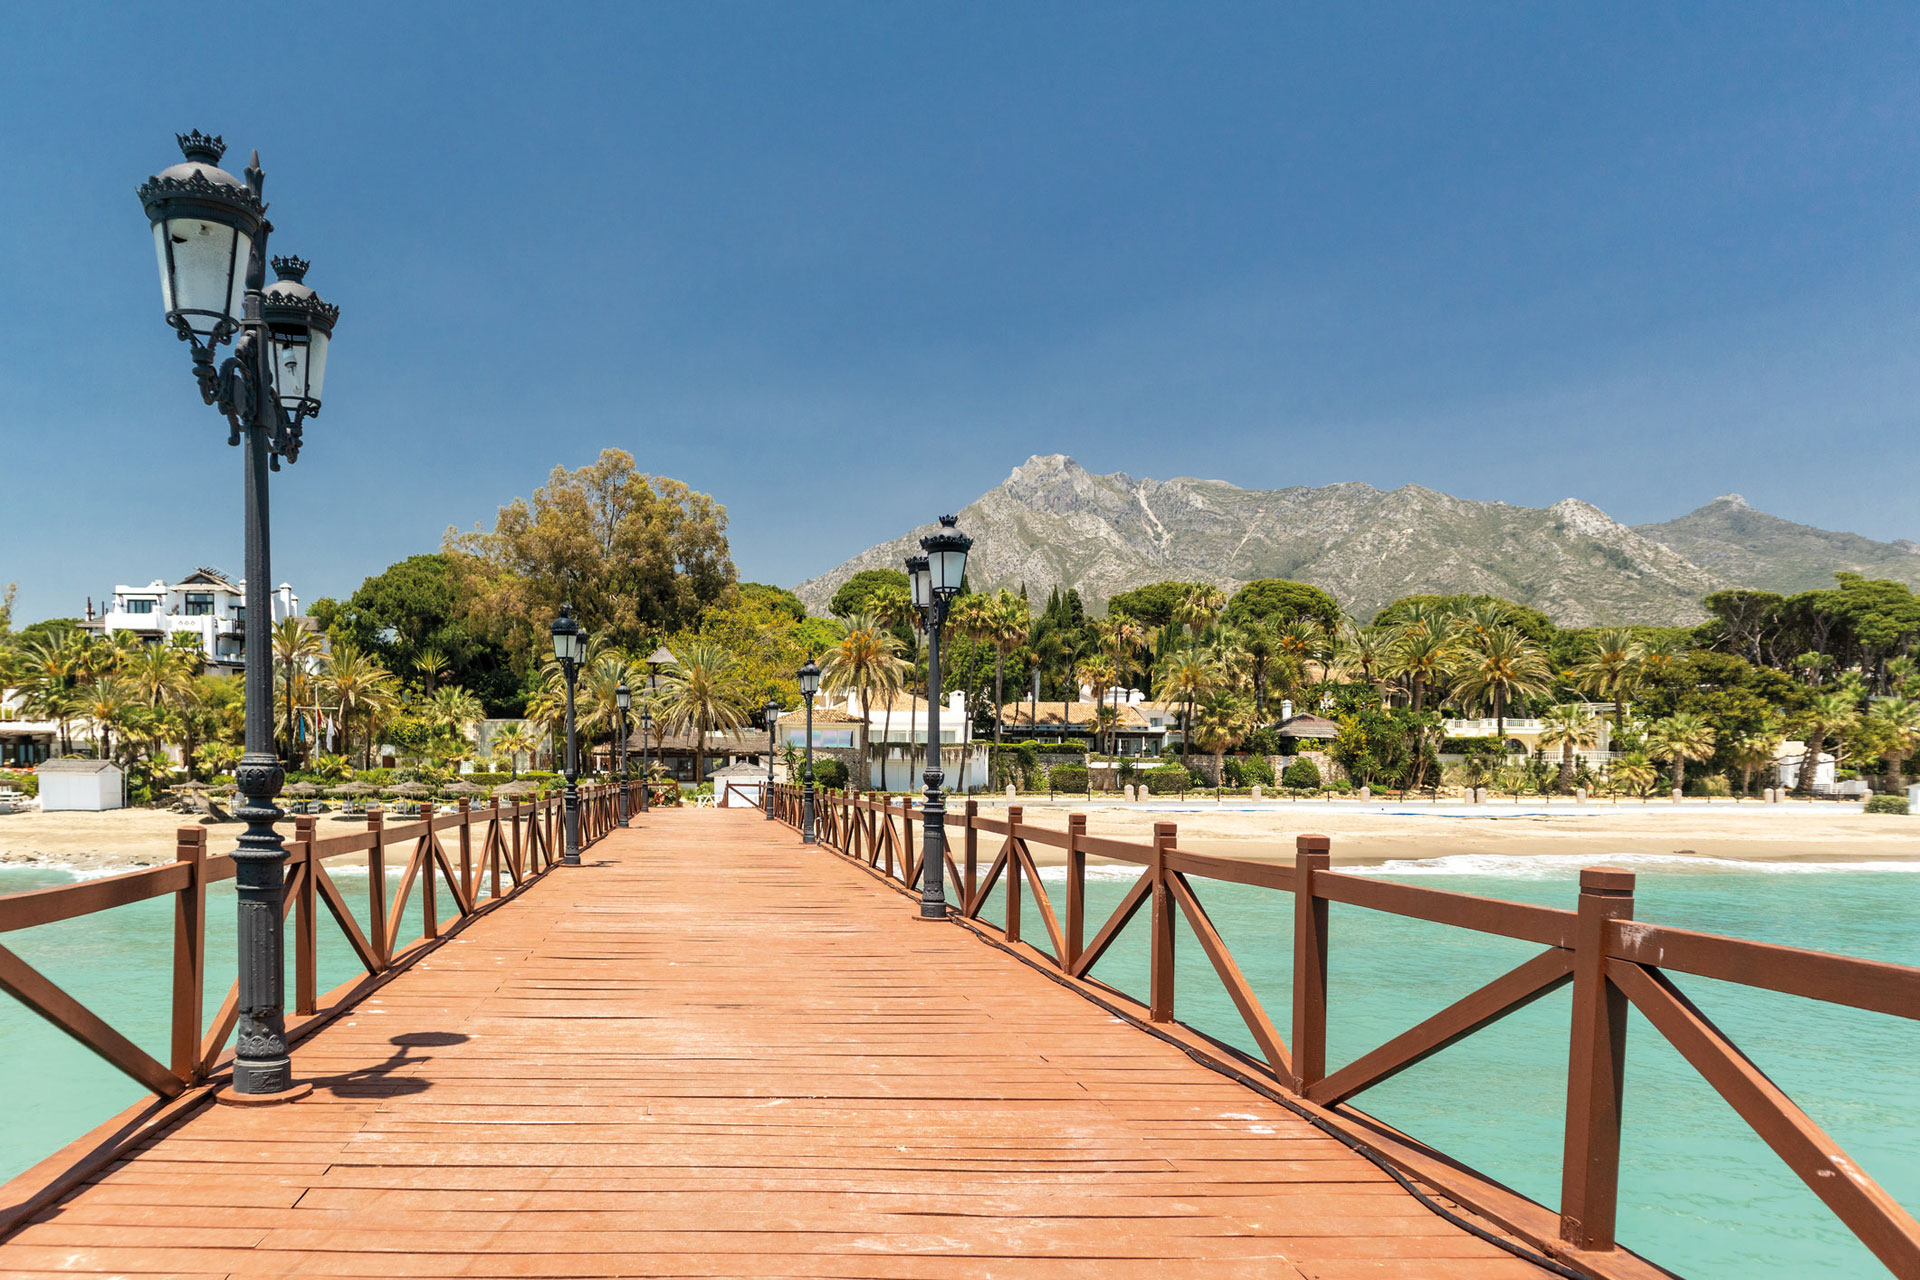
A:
(1700, 1194)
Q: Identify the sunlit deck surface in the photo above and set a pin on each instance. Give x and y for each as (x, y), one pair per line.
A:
(716, 1052)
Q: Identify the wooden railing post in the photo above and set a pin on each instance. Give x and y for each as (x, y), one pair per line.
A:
(1311, 855)
(1076, 929)
(377, 887)
(973, 855)
(907, 867)
(189, 952)
(1012, 874)
(429, 908)
(1596, 1067)
(1160, 959)
(466, 849)
(306, 986)
(493, 844)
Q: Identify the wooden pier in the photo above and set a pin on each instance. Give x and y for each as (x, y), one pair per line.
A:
(716, 1052)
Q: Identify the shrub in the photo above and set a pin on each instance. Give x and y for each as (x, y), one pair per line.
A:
(1198, 779)
(828, 773)
(1072, 744)
(25, 783)
(1887, 804)
(1165, 781)
(1067, 777)
(1473, 747)
(1263, 742)
(1302, 775)
(1247, 771)
(1713, 784)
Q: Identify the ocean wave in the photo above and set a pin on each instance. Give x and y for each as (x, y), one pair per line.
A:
(1554, 866)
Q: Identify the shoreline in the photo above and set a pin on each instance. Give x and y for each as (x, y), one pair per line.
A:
(1363, 834)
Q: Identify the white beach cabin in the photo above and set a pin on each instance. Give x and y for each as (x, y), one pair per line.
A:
(87, 785)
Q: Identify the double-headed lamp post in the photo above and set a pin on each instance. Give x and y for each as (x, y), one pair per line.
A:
(935, 579)
(773, 720)
(809, 685)
(570, 647)
(210, 235)
(622, 698)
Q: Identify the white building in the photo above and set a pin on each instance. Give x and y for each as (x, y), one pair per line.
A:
(24, 741)
(205, 604)
(1524, 732)
(897, 735)
(86, 785)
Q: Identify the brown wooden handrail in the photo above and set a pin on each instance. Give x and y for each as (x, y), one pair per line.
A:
(517, 841)
(1610, 959)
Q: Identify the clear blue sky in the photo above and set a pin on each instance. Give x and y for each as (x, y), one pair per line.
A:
(844, 266)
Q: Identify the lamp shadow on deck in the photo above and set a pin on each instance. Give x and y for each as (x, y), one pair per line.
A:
(380, 1080)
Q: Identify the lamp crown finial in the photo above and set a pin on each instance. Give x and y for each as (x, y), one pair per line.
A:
(291, 268)
(201, 147)
(948, 522)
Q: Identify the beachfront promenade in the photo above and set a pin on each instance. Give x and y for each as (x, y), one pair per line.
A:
(714, 1051)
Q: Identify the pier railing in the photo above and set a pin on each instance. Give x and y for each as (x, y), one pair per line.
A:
(482, 857)
(1611, 961)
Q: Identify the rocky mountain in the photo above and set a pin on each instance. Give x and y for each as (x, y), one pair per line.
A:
(1739, 545)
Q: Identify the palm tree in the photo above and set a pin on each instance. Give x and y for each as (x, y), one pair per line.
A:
(1827, 716)
(1568, 727)
(1752, 751)
(1217, 726)
(107, 702)
(1097, 673)
(1303, 640)
(1366, 650)
(294, 646)
(1682, 736)
(1421, 655)
(1499, 665)
(1186, 676)
(515, 740)
(704, 692)
(1262, 647)
(865, 663)
(455, 711)
(1633, 770)
(360, 685)
(1612, 668)
(1894, 723)
(432, 667)
(1200, 607)
(1007, 624)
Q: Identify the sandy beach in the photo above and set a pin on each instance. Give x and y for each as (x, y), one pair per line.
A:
(1372, 833)
(1363, 834)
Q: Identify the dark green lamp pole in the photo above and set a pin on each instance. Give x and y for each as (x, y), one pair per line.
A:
(809, 685)
(935, 580)
(570, 648)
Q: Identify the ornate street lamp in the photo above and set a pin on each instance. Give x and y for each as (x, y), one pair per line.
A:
(773, 719)
(935, 579)
(663, 657)
(623, 699)
(210, 237)
(570, 648)
(646, 752)
(809, 685)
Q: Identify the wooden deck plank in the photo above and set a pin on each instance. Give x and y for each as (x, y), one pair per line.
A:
(716, 1052)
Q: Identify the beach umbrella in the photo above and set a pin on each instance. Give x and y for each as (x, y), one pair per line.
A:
(303, 789)
(463, 789)
(191, 785)
(409, 789)
(353, 789)
(522, 788)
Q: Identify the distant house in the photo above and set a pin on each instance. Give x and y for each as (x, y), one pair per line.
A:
(1305, 732)
(679, 749)
(1523, 734)
(206, 604)
(1135, 733)
(24, 741)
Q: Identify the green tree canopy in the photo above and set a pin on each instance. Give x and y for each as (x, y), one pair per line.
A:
(413, 608)
(1529, 622)
(1155, 605)
(856, 593)
(1281, 600)
(776, 598)
(634, 554)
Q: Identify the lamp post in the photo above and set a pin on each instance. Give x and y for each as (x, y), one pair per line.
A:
(646, 754)
(773, 719)
(623, 699)
(210, 235)
(570, 647)
(935, 579)
(809, 685)
(663, 657)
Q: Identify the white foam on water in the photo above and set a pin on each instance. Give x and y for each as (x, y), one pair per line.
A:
(1554, 866)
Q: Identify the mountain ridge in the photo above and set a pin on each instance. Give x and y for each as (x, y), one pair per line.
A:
(1054, 523)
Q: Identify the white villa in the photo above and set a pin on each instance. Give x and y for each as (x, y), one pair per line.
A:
(896, 730)
(1523, 734)
(205, 604)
